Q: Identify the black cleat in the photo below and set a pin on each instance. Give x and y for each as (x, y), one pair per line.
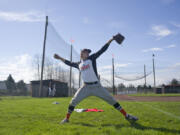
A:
(131, 118)
(64, 121)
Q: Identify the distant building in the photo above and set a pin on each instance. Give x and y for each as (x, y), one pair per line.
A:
(3, 85)
(28, 86)
(168, 89)
(51, 88)
(159, 90)
(171, 89)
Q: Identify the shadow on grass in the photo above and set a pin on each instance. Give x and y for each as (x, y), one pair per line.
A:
(162, 129)
(85, 124)
(141, 127)
(133, 125)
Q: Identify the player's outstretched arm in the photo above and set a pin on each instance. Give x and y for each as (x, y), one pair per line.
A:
(72, 64)
(102, 50)
(109, 42)
(56, 56)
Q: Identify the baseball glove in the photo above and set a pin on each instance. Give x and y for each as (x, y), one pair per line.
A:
(119, 38)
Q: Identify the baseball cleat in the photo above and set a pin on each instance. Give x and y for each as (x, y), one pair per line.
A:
(131, 118)
(64, 121)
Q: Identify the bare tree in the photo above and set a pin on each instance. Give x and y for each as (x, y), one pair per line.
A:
(48, 68)
(36, 65)
(52, 70)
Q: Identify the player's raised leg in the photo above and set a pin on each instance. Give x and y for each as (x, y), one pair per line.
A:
(103, 93)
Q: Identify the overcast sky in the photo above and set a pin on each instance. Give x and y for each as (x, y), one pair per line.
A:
(150, 26)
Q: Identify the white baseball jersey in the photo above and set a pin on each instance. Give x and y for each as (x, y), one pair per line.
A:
(87, 71)
(88, 67)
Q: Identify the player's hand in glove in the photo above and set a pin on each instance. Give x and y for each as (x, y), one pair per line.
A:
(119, 38)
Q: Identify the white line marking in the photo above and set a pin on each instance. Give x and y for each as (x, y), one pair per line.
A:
(160, 110)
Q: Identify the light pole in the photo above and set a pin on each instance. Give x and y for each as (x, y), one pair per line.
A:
(154, 73)
(144, 75)
(70, 74)
(113, 75)
(43, 57)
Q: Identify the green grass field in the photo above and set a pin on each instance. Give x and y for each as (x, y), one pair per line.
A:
(35, 116)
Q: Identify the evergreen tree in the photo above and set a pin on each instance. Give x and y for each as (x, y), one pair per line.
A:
(21, 86)
(174, 82)
(11, 85)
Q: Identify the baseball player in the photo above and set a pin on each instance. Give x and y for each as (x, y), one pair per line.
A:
(91, 85)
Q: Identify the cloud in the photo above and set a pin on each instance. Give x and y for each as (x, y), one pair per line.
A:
(172, 68)
(176, 65)
(171, 46)
(160, 31)
(122, 65)
(31, 16)
(156, 49)
(19, 66)
(107, 67)
(152, 50)
(176, 24)
(86, 20)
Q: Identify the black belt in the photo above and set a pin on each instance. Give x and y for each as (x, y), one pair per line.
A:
(90, 83)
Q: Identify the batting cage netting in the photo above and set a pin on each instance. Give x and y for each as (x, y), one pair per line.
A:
(56, 44)
(53, 68)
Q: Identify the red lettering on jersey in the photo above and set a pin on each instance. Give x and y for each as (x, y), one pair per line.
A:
(84, 67)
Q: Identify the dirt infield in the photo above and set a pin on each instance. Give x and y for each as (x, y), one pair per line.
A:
(148, 98)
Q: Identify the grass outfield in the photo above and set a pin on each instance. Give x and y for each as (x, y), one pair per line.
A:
(35, 116)
(156, 95)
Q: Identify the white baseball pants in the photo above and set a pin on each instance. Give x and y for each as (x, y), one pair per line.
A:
(97, 90)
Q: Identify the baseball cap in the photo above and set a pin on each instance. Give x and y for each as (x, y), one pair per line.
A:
(86, 50)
